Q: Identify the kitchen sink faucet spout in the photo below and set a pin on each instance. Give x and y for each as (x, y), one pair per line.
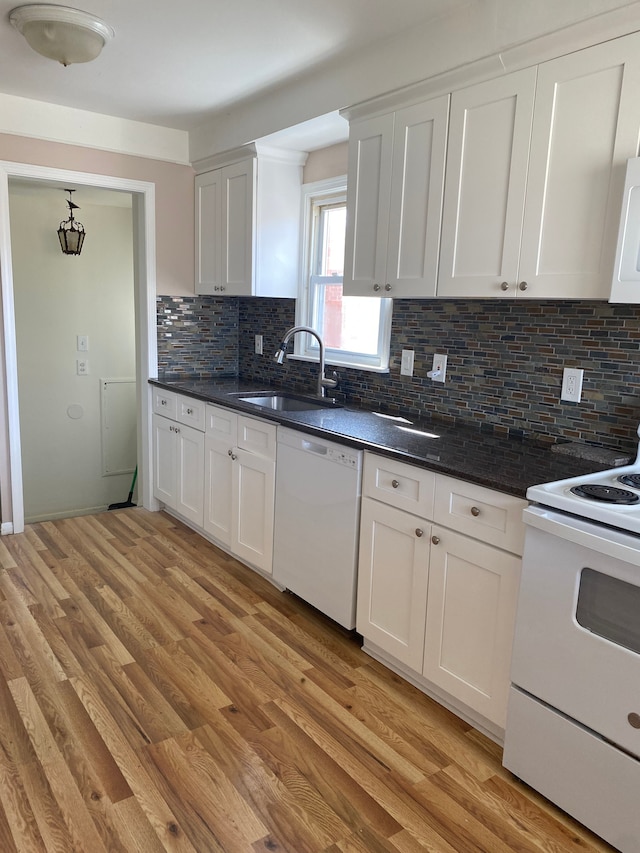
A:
(323, 382)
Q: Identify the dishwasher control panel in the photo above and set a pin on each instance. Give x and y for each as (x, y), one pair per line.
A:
(343, 457)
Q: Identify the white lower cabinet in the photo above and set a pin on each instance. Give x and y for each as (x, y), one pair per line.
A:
(240, 471)
(393, 573)
(178, 455)
(439, 603)
(471, 607)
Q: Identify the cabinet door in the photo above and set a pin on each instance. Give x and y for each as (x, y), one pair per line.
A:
(238, 227)
(253, 496)
(471, 608)
(190, 473)
(586, 127)
(417, 186)
(164, 460)
(486, 175)
(368, 195)
(625, 286)
(392, 581)
(209, 223)
(218, 471)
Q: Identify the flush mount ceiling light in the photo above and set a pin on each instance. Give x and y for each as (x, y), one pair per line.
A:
(71, 232)
(61, 33)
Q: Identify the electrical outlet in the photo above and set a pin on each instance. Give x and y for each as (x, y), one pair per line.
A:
(82, 366)
(406, 363)
(83, 343)
(258, 344)
(572, 384)
(438, 372)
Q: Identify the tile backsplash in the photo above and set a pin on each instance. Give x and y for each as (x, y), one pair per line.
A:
(197, 336)
(504, 369)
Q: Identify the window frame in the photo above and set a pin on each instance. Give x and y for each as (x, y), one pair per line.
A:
(328, 191)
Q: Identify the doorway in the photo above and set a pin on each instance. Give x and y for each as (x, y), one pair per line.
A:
(143, 222)
(75, 340)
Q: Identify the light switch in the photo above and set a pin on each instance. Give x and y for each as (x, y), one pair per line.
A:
(83, 343)
(406, 363)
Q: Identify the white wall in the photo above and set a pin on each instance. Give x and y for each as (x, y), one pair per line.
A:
(57, 298)
(480, 29)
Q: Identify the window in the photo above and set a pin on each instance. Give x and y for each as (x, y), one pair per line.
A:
(355, 329)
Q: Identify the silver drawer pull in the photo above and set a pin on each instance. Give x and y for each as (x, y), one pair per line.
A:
(504, 285)
(229, 452)
(163, 402)
(419, 532)
(523, 285)
(388, 287)
(233, 457)
(395, 483)
(475, 512)
(634, 720)
(376, 287)
(189, 411)
(435, 540)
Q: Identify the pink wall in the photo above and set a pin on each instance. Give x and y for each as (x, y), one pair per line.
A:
(174, 198)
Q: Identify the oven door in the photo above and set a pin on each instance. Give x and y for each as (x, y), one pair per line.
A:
(577, 642)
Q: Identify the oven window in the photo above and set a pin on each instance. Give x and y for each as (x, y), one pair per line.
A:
(610, 608)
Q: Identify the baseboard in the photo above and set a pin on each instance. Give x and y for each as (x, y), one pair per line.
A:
(6, 528)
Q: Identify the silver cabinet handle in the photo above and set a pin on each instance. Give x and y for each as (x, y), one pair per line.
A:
(419, 532)
(475, 512)
(435, 540)
(388, 287)
(395, 484)
(171, 429)
(189, 411)
(504, 285)
(523, 285)
(177, 429)
(163, 402)
(634, 720)
(376, 287)
(233, 457)
(229, 452)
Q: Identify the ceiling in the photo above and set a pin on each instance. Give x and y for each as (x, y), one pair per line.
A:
(176, 64)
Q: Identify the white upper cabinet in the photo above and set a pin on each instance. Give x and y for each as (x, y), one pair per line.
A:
(548, 232)
(625, 286)
(247, 218)
(394, 201)
(586, 126)
(486, 178)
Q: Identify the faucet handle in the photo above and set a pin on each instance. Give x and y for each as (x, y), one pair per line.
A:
(331, 382)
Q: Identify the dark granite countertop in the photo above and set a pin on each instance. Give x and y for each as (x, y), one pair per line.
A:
(509, 465)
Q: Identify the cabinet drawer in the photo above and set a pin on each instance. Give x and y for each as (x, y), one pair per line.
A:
(479, 512)
(165, 402)
(221, 423)
(398, 484)
(191, 412)
(257, 437)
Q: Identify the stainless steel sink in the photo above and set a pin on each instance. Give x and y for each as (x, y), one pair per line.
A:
(284, 402)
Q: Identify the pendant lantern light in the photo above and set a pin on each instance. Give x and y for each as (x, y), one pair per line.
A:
(71, 232)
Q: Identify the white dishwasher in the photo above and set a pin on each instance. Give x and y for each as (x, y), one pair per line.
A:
(317, 516)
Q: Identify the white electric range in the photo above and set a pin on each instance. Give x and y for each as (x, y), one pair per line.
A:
(573, 726)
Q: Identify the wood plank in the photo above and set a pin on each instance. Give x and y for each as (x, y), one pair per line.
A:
(156, 695)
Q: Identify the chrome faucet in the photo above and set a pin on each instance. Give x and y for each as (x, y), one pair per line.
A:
(323, 382)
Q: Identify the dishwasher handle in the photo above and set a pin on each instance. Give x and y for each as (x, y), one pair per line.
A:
(314, 447)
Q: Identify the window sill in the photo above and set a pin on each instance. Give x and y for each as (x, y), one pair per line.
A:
(333, 362)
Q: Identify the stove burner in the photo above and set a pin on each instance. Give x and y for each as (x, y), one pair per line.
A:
(630, 480)
(605, 494)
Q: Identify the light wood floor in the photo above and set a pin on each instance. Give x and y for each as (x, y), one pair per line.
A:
(156, 695)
